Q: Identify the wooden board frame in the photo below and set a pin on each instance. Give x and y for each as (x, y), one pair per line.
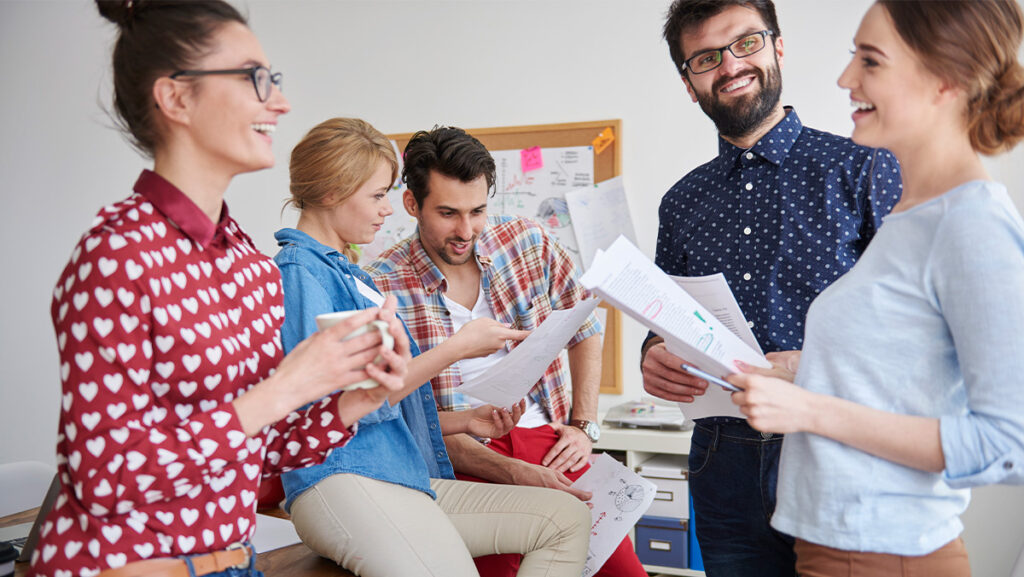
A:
(607, 164)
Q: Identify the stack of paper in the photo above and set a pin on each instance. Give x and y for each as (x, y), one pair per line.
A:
(625, 277)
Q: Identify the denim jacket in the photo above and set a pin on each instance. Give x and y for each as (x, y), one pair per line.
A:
(399, 444)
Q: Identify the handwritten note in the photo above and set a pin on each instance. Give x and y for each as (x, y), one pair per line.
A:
(540, 194)
(531, 159)
(620, 498)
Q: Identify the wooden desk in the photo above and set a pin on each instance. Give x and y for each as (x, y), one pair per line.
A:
(292, 561)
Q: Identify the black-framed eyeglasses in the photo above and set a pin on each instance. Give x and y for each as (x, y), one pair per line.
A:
(262, 78)
(710, 59)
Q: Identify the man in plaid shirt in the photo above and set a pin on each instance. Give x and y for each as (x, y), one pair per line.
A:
(462, 266)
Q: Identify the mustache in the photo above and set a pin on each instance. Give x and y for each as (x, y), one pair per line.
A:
(723, 82)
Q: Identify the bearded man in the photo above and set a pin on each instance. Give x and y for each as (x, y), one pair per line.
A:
(782, 211)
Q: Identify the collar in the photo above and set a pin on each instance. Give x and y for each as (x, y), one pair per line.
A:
(179, 208)
(431, 276)
(287, 236)
(773, 146)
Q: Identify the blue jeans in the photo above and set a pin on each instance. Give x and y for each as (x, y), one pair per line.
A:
(733, 474)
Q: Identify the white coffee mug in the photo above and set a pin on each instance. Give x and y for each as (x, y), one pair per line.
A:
(330, 319)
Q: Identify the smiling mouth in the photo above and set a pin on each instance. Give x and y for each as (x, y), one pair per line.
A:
(264, 128)
(736, 85)
(862, 106)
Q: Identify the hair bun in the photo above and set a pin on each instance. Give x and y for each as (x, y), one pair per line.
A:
(120, 12)
(999, 126)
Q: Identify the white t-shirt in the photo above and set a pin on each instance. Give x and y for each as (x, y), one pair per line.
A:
(534, 415)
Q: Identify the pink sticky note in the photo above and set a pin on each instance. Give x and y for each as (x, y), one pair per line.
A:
(531, 159)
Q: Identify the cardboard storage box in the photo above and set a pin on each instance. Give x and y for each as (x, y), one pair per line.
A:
(669, 473)
(662, 541)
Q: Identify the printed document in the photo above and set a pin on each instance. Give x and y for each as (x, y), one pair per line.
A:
(511, 378)
(625, 277)
(620, 498)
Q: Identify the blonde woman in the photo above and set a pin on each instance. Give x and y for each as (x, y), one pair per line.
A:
(388, 503)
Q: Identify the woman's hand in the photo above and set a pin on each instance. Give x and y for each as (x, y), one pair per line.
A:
(771, 404)
(481, 337)
(316, 367)
(492, 422)
(387, 314)
(784, 366)
(390, 373)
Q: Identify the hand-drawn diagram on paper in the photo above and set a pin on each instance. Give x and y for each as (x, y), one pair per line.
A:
(540, 194)
(620, 498)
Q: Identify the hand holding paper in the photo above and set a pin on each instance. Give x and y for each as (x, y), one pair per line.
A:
(511, 378)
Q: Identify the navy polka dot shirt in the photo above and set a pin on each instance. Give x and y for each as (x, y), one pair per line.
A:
(781, 220)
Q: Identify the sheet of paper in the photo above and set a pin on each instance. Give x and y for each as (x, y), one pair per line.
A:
(713, 293)
(599, 215)
(625, 277)
(273, 533)
(540, 194)
(511, 378)
(620, 498)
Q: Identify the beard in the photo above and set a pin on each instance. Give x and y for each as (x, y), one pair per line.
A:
(745, 115)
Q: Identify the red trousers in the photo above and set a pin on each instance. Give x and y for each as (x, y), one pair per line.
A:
(531, 445)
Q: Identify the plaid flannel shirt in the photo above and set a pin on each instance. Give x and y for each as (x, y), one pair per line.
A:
(526, 275)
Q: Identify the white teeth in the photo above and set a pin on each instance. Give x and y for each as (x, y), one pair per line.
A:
(264, 128)
(737, 85)
(862, 105)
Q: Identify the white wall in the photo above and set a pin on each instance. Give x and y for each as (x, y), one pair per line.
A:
(403, 66)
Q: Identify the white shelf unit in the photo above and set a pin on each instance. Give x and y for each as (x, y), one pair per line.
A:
(638, 445)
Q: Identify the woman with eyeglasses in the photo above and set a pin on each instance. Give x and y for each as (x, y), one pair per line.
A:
(388, 502)
(177, 399)
(908, 388)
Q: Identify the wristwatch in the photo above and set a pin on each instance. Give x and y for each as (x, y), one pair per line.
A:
(590, 428)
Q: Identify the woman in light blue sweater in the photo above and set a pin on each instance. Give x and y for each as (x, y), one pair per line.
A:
(908, 390)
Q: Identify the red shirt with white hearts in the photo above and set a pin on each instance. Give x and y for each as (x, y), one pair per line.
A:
(162, 318)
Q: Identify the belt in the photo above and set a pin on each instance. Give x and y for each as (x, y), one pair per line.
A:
(236, 556)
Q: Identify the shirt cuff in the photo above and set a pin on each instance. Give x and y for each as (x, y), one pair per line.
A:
(971, 463)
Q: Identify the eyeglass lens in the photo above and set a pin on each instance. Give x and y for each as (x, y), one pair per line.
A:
(740, 49)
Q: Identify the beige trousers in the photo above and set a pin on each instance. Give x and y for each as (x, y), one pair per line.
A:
(378, 529)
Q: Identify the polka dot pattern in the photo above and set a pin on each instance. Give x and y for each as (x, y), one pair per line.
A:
(781, 220)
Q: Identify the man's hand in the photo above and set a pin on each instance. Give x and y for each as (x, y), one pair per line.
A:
(570, 452)
(484, 336)
(664, 379)
(524, 473)
(493, 422)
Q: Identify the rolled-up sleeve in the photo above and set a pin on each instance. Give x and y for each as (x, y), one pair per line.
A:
(977, 269)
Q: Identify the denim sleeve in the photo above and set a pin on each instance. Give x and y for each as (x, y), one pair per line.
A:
(977, 269)
(304, 299)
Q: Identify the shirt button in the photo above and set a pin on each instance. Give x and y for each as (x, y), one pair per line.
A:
(1008, 465)
(746, 276)
(750, 324)
(750, 155)
(749, 186)
(433, 426)
(747, 230)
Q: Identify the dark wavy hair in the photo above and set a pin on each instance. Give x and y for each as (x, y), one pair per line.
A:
(451, 152)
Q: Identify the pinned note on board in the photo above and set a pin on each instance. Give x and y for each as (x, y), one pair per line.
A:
(531, 159)
(602, 141)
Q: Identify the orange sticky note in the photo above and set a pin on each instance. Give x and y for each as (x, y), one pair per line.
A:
(531, 159)
(602, 141)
